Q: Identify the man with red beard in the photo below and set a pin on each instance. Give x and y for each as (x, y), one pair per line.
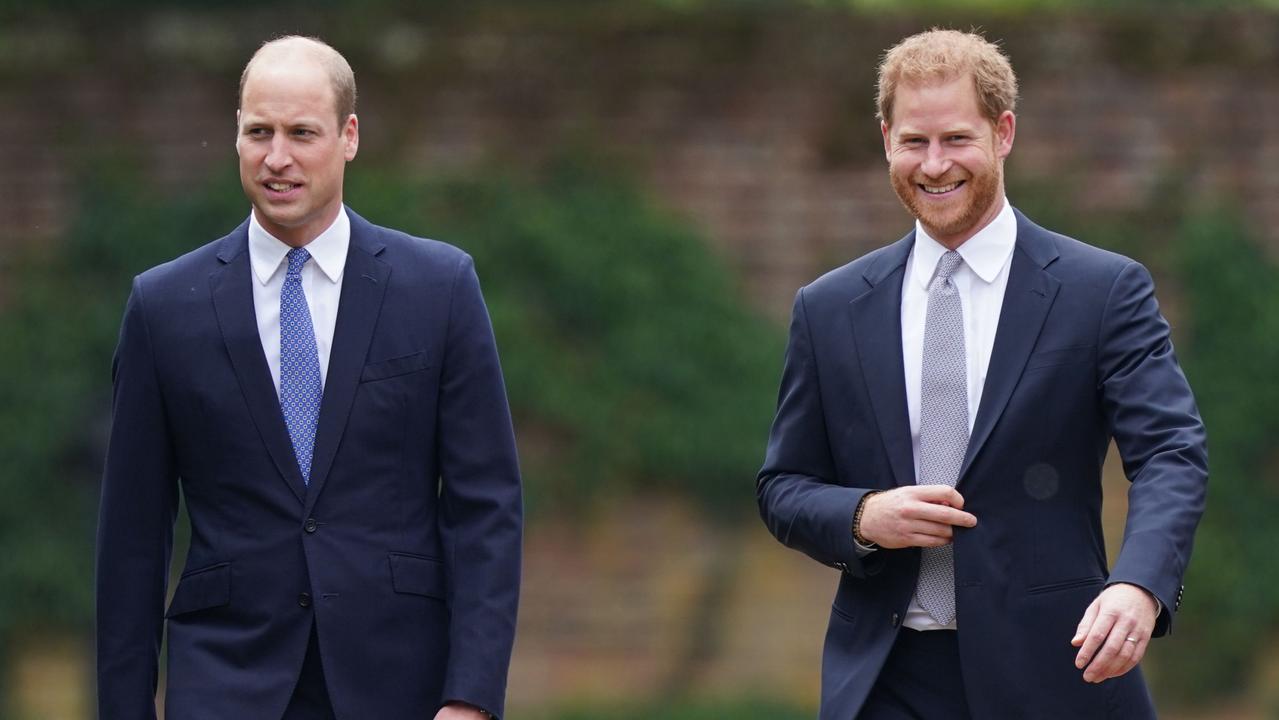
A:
(945, 408)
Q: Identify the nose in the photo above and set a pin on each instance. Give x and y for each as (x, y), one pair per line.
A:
(279, 157)
(936, 164)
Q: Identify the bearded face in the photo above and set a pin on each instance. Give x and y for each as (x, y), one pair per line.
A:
(945, 159)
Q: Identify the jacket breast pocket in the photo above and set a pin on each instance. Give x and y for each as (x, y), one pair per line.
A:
(394, 367)
(418, 575)
(202, 589)
(1061, 356)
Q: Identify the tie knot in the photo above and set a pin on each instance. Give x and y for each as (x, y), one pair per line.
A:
(297, 258)
(947, 265)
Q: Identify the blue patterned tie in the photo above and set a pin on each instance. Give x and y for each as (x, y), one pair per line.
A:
(300, 388)
(943, 424)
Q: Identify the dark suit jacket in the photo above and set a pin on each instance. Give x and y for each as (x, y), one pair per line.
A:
(404, 551)
(1081, 354)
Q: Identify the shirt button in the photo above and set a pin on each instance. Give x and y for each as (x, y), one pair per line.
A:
(304, 600)
(310, 525)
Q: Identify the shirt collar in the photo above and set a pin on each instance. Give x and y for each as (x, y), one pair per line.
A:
(328, 249)
(985, 253)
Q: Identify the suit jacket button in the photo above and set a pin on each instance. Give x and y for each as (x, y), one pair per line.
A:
(304, 600)
(896, 619)
(310, 525)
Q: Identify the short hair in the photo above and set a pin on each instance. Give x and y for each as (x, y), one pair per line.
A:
(942, 55)
(339, 70)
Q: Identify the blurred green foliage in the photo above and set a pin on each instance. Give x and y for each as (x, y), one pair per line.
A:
(1231, 353)
(59, 320)
(630, 358)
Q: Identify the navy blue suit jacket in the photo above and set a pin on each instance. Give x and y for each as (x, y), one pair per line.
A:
(1081, 355)
(404, 551)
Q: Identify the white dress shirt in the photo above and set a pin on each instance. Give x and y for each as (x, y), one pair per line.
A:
(321, 283)
(981, 281)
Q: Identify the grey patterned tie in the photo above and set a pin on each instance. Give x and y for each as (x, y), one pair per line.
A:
(943, 424)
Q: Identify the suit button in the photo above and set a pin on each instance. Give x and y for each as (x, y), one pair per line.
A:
(310, 525)
(304, 600)
(897, 619)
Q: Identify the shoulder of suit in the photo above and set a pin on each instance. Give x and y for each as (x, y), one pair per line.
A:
(186, 268)
(1078, 256)
(849, 280)
(401, 242)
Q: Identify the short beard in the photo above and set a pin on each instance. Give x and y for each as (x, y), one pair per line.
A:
(983, 189)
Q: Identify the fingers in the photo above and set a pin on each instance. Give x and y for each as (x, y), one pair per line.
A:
(916, 515)
(943, 514)
(1114, 653)
(943, 504)
(926, 541)
(1084, 626)
(939, 494)
(1113, 635)
(1124, 648)
(1095, 638)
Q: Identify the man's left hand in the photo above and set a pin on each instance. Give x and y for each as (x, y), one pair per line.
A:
(460, 711)
(1113, 635)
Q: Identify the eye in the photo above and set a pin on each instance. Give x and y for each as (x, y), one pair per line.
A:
(257, 132)
(957, 138)
(304, 132)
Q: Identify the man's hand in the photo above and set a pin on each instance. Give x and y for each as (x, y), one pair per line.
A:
(461, 711)
(914, 516)
(1113, 635)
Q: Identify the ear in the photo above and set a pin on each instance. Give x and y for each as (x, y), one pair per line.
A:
(888, 145)
(237, 131)
(1005, 131)
(351, 137)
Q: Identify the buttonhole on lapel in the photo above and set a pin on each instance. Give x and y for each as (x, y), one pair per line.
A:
(1039, 292)
(370, 278)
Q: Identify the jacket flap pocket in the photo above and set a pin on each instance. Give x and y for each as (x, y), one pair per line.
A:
(202, 589)
(1061, 356)
(382, 369)
(417, 575)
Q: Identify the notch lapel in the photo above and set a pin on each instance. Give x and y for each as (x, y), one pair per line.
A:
(877, 331)
(1027, 299)
(363, 287)
(232, 290)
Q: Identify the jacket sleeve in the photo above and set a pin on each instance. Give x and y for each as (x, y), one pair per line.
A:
(1152, 414)
(798, 498)
(135, 527)
(481, 508)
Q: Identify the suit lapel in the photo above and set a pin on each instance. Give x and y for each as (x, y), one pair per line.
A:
(1027, 299)
(877, 329)
(363, 286)
(232, 290)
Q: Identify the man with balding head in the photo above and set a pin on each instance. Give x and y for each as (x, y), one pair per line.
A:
(325, 394)
(945, 407)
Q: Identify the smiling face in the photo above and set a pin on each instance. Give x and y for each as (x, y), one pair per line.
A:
(292, 151)
(946, 159)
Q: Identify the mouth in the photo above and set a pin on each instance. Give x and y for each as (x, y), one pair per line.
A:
(940, 189)
(281, 189)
